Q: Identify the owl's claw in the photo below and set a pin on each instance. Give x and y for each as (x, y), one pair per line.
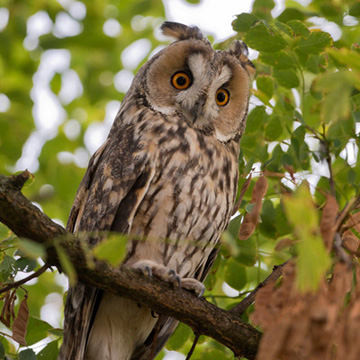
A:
(150, 268)
(175, 278)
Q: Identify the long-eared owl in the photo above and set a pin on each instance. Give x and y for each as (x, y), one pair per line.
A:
(167, 177)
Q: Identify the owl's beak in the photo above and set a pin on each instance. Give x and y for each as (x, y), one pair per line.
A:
(198, 109)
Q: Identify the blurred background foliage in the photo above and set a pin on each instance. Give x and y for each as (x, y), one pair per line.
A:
(64, 68)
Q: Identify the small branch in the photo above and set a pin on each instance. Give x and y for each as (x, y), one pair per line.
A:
(25, 280)
(240, 308)
(193, 346)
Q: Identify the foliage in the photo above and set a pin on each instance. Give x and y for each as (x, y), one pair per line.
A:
(301, 139)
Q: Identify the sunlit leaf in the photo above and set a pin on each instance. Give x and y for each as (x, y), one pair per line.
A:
(313, 260)
(235, 274)
(287, 78)
(180, 337)
(36, 330)
(25, 264)
(112, 249)
(244, 21)
(299, 28)
(27, 354)
(255, 119)
(66, 264)
(261, 38)
(273, 128)
(31, 249)
(265, 84)
(49, 352)
(315, 43)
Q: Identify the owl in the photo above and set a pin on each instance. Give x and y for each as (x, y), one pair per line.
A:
(167, 177)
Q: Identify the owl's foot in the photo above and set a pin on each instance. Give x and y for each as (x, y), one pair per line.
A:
(149, 268)
(193, 285)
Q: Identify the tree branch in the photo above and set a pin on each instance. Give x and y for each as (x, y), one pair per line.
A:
(26, 220)
(240, 308)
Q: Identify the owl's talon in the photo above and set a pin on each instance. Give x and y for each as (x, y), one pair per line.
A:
(193, 285)
(175, 278)
(153, 314)
(148, 270)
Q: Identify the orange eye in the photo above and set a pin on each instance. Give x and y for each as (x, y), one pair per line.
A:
(222, 97)
(181, 80)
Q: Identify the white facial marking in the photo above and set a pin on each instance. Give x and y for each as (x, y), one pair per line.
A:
(211, 109)
(222, 137)
(199, 68)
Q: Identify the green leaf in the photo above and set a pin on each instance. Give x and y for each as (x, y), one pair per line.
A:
(280, 60)
(31, 249)
(315, 43)
(265, 84)
(270, 4)
(244, 22)
(55, 83)
(235, 274)
(273, 128)
(247, 252)
(179, 338)
(27, 354)
(316, 63)
(112, 250)
(311, 109)
(299, 28)
(337, 87)
(313, 260)
(7, 268)
(290, 14)
(355, 9)
(255, 119)
(2, 351)
(36, 330)
(262, 38)
(25, 264)
(57, 332)
(284, 28)
(346, 57)
(66, 265)
(287, 78)
(267, 225)
(50, 351)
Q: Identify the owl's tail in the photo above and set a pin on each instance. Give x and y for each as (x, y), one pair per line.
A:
(119, 327)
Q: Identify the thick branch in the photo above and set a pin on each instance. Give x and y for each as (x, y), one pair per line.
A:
(26, 220)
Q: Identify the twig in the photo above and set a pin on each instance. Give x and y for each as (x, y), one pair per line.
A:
(193, 346)
(240, 308)
(25, 280)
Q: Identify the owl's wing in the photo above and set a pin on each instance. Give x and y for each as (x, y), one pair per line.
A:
(115, 182)
(165, 326)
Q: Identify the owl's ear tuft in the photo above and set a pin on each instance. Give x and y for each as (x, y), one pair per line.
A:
(182, 32)
(240, 50)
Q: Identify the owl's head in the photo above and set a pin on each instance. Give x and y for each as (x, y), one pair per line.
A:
(209, 88)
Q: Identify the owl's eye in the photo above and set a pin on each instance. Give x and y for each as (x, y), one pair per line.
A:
(181, 80)
(222, 97)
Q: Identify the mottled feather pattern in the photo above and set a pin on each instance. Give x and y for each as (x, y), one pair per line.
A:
(167, 176)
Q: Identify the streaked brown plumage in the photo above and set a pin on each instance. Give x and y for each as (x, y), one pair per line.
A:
(167, 174)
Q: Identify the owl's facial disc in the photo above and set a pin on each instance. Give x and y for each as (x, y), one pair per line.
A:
(209, 89)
